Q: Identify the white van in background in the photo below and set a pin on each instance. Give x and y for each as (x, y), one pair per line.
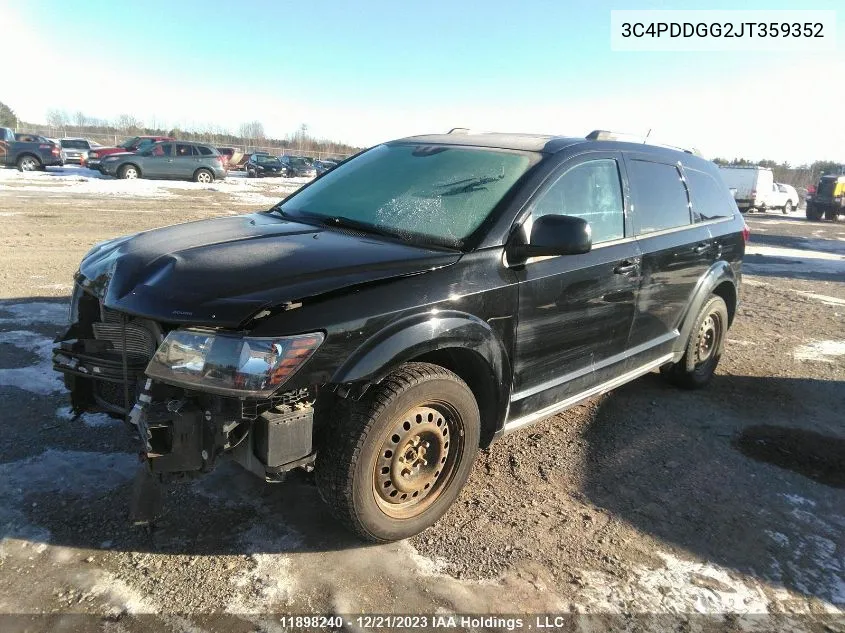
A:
(755, 189)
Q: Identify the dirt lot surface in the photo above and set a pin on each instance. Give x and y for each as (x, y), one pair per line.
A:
(722, 509)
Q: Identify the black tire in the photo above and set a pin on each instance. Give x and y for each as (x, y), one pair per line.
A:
(28, 162)
(250, 173)
(787, 208)
(711, 324)
(205, 176)
(128, 172)
(830, 214)
(813, 213)
(373, 465)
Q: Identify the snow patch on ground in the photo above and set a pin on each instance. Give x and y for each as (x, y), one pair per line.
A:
(78, 180)
(94, 420)
(821, 351)
(34, 312)
(680, 586)
(772, 259)
(270, 581)
(38, 378)
(75, 473)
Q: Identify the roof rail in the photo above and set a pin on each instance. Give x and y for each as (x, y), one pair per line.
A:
(605, 135)
(459, 130)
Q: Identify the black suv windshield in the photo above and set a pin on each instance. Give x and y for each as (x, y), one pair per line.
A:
(417, 192)
(265, 159)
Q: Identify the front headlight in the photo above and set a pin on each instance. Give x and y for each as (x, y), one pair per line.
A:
(230, 364)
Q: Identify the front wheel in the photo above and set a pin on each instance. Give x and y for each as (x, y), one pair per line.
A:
(813, 213)
(396, 460)
(704, 347)
(787, 208)
(830, 214)
(204, 176)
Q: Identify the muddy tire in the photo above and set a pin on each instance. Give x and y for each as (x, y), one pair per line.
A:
(704, 347)
(393, 462)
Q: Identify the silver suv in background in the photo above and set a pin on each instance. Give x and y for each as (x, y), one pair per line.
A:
(179, 160)
(76, 149)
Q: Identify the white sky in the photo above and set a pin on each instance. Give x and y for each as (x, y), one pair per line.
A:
(797, 114)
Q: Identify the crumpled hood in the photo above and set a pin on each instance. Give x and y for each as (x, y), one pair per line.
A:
(220, 272)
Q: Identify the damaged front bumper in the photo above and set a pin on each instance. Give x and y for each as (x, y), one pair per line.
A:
(183, 431)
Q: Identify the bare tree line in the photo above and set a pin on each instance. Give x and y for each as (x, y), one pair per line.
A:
(249, 135)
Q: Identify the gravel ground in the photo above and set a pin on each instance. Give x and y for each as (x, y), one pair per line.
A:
(723, 508)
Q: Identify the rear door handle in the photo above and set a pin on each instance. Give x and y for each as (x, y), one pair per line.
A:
(626, 267)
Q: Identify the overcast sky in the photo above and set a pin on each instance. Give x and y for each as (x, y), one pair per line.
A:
(365, 72)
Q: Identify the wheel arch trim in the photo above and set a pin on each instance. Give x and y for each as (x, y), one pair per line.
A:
(423, 337)
(721, 280)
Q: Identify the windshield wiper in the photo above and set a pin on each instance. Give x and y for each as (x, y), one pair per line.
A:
(342, 222)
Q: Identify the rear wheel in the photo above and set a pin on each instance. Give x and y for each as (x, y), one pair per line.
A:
(204, 176)
(28, 163)
(704, 347)
(830, 214)
(128, 172)
(813, 213)
(787, 208)
(395, 462)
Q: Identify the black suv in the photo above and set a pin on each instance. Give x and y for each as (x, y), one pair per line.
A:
(404, 309)
(260, 165)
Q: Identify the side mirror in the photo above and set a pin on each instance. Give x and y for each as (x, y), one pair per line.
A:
(555, 235)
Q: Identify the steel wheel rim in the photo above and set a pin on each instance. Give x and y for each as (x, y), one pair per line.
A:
(709, 338)
(204, 178)
(417, 459)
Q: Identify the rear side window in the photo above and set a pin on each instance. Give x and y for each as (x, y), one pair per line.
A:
(660, 196)
(205, 151)
(183, 150)
(710, 200)
(590, 190)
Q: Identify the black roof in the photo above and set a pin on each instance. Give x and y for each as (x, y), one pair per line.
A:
(551, 144)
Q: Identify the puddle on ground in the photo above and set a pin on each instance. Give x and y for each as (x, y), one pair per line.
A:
(819, 457)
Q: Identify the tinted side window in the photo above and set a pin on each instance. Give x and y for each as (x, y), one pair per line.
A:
(589, 190)
(660, 197)
(183, 150)
(205, 151)
(167, 148)
(710, 200)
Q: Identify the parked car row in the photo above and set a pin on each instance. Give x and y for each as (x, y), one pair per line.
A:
(152, 157)
(262, 164)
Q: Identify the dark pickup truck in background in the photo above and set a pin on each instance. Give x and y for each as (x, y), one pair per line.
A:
(27, 156)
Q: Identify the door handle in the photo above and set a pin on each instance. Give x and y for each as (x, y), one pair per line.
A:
(701, 247)
(626, 267)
